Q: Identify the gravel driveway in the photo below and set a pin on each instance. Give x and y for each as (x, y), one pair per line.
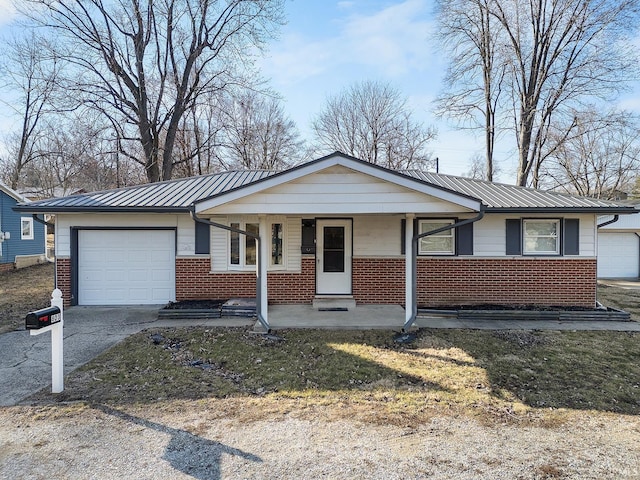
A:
(100, 443)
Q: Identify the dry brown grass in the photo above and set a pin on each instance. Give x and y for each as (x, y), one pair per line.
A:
(621, 298)
(22, 291)
(496, 377)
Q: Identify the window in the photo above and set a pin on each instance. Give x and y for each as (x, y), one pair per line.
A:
(541, 236)
(243, 250)
(26, 228)
(442, 243)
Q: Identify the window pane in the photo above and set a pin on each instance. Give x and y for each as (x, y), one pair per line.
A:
(441, 242)
(276, 244)
(428, 226)
(26, 228)
(250, 246)
(435, 243)
(541, 244)
(235, 245)
(541, 236)
(333, 249)
(540, 228)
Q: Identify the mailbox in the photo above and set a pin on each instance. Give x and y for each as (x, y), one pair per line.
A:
(42, 318)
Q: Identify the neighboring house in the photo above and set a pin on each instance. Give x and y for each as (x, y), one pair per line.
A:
(22, 240)
(619, 246)
(336, 227)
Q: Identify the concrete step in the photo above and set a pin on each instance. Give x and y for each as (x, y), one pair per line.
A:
(334, 302)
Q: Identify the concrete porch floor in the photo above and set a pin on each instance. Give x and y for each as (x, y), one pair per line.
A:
(363, 317)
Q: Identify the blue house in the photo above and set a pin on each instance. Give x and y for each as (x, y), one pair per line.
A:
(22, 239)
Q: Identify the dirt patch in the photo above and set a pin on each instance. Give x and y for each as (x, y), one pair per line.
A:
(22, 291)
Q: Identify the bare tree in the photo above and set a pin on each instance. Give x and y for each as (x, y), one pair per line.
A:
(370, 120)
(257, 134)
(558, 54)
(30, 73)
(600, 159)
(471, 35)
(145, 63)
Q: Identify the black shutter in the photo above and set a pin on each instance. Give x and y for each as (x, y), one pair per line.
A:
(514, 236)
(403, 233)
(464, 239)
(203, 233)
(571, 236)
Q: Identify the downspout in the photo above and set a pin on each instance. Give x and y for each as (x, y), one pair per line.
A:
(609, 222)
(261, 319)
(414, 261)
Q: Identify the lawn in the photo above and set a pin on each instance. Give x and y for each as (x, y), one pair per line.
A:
(22, 291)
(495, 376)
(515, 376)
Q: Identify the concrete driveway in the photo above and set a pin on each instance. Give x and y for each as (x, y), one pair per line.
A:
(25, 361)
(626, 283)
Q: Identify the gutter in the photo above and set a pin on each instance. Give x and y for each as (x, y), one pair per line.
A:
(261, 319)
(414, 261)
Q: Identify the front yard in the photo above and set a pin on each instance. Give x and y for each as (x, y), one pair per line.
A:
(192, 402)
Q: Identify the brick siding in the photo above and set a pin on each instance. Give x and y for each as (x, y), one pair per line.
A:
(194, 281)
(63, 279)
(379, 280)
(5, 267)
(508, 281)
(441, 281)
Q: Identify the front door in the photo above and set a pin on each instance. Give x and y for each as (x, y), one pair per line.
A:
(333, 257)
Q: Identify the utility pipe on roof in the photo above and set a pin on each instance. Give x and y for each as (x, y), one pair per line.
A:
(259, 280)
(414, 261)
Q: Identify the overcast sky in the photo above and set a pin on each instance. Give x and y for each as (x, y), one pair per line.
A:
(328, 45)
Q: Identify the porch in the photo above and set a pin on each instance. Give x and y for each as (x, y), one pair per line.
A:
(362, 317)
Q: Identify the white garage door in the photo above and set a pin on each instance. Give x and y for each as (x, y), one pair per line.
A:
(618, 255)
(126, 267)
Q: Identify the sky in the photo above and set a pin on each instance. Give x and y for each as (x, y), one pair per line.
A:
(327, 45)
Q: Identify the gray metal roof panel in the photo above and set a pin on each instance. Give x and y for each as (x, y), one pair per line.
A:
(497, 196)
(178, 195)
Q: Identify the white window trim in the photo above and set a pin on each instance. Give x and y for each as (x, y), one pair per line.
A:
(541, 220)
(22, 235)
(242, 267)
(452, 234)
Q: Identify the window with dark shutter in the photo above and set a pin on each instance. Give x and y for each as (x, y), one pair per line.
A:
(464, 239)
(203, 233)
(514, 236)
(571, 236)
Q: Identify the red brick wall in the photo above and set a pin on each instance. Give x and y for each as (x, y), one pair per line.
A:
(63, 279)
(441, 281)
(194, 281)
(5, 267)
(379, 280)
(508, 281)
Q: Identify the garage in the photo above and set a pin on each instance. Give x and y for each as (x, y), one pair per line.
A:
(618, 254)
(126, 267)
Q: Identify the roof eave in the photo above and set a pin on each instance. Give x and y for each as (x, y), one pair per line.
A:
(560, 210)
(41, 209)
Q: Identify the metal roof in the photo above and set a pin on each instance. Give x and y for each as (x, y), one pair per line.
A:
(498, 197)
(168, 196)
(178, 195)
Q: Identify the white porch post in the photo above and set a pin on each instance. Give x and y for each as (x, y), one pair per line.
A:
(408, 266)
(265, 245)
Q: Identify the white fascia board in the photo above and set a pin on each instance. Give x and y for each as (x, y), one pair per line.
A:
(335, 160)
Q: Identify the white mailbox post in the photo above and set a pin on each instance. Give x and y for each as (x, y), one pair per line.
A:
(54, 323)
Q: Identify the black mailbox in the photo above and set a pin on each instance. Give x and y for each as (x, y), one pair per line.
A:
(42, 318)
